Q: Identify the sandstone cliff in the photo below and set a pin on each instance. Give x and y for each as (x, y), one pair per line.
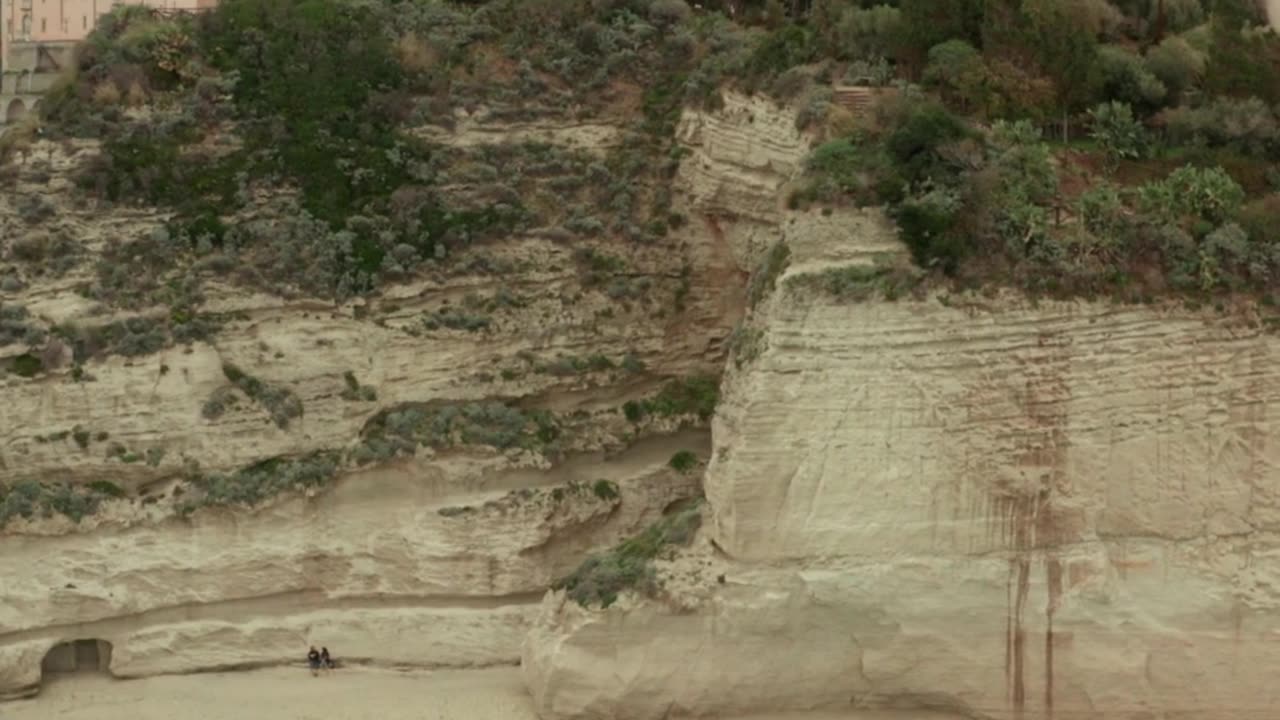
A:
(970, 504)
(434, 558)
(975, 504)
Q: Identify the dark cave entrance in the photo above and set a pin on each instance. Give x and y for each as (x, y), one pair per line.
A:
(77, 656)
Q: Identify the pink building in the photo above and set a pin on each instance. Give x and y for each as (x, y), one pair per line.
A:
(66, 20)
(37, 38)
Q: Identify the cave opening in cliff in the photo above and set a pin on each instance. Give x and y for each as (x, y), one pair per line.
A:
(77, 656)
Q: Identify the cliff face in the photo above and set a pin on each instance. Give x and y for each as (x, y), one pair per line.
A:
(431, 557)
(972, 504)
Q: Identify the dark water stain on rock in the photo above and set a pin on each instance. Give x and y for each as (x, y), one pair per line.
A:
(1053, 569)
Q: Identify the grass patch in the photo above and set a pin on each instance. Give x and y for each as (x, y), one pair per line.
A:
(856, 283)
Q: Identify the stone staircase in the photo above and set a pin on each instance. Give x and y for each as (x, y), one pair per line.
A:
(857, 99)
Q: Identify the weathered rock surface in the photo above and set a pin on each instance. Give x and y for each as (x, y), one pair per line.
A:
(437, 560)
(983, 505)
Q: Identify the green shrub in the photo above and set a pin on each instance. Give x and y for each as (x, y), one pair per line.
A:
(914, 145)
(781, 50)
(458, 320)
(633, 411)
(106, 489)
(75, 503)
(959, 71)
(1127, 80)
(20, 500)
(17, 326)
(491, 424)
(843, 167)
(1102, 211)
(697, 395)
(606, 490)
(26, 365)
(683, 461)
(29, 499)
(262, 481)
(281, 403)
(1175, 64)
(926, 224)
(1121, 136)
(1246, 126)
(629, 565)
(868, 33)
(1190, 195)
(814, 107)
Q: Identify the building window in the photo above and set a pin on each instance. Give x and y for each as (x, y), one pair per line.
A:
(84, 22)
(44, 25)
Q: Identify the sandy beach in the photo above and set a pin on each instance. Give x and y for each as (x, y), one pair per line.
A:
(284, 694)
(292, 694)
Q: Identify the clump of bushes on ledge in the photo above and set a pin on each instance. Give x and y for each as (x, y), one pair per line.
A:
(493, 424)
(282, 404)
(696, 395)
(629, 565)
(257, 483)
(30, 499)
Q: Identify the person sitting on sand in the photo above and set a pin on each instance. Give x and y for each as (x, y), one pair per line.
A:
(313, 661)
(325, 660)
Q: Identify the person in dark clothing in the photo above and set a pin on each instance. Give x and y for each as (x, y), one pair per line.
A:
(325, 659)
(313, 661)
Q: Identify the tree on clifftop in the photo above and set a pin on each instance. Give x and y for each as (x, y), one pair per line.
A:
(926, 23)
(1240, 64)
(1049, 34)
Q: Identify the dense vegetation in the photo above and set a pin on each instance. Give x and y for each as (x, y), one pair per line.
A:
(1063, 146)
(321, 97)
(1036, 142)
(1125, 147)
